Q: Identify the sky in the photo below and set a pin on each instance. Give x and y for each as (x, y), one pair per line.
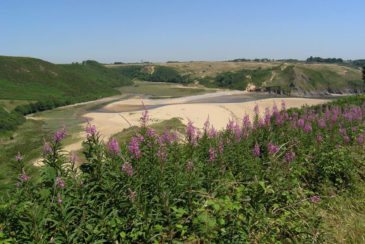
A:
(65, 31)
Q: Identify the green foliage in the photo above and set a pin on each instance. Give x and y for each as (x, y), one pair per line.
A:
(240, 79)
(53, 85)
(9, 121)
(34, 79)
(153, 73)
(215, 187)
(324, 60)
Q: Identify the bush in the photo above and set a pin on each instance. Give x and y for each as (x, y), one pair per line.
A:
(256, 181)
(9, 121)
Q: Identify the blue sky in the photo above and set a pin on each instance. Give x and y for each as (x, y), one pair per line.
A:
(160, 30)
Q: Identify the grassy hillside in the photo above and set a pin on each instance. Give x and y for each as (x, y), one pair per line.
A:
(154, 73)
(35, 79)
(300, 78)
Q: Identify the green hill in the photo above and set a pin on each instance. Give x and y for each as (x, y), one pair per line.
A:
(299, 78)
(35, 79)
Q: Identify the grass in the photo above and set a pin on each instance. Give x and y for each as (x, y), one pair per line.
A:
(344, 218)
(28, 140)
(305, 77)
(161, 90)
(10, 104)
(35, 79)
(160, 127)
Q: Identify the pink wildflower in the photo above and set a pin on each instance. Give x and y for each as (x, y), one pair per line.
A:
(47, 149)
(18, 157)
(60, 183)
(212, 154)
(315, 199)
(144, 119)
(272, 148)
(301, 123)
(283, 105)
(321, 123)
(134, 147)
(60, 135)
(256, 150)
(246, 122)
(221, 148)
(319, 138)
(24, 177)
(360, 139)
(127, 168)
(113, 146)
(59, 198)
(90, 130)
(346, 139)
(191, 133)
(162, 153)
(212, 132)
(307, 127)
(151, 132)
(289, 156)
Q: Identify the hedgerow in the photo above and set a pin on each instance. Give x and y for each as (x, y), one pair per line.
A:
(260, 180)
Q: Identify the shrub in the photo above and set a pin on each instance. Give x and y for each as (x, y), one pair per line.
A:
(256, 181)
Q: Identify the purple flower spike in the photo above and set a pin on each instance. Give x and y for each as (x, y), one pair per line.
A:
(212, 154)
(60, 183)
(360, 139)
(113, 146)
(133, 147)
(59, 199)
(289, 156)
(127, 168)
(144, 119)
(47, 149)
(90, 130)
(272, 148)
(256, 150)
(18, 157)
(191, 133)
(307, 128)
(24, 177)
(60, 135)
(315, 199)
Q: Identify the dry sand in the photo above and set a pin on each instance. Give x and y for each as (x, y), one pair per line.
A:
(111, 121)
(219, 113)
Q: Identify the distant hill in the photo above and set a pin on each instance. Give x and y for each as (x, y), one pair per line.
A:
(298, 78)
(35, 79)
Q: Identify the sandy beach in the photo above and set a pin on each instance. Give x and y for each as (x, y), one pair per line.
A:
(219, 114)
(116, 116)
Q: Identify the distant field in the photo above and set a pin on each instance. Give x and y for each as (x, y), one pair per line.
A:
(161, 90)
(202, 69)
(11, 104)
